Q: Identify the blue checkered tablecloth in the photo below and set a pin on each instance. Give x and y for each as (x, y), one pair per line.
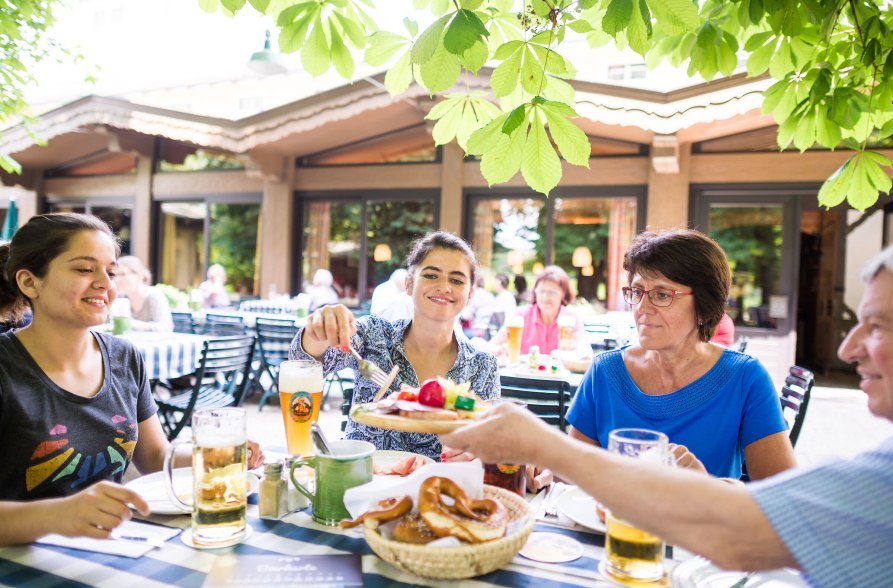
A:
(168, 355)
(178, 565)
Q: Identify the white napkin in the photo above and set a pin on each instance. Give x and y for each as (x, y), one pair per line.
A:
(126, 547)
(468, 475)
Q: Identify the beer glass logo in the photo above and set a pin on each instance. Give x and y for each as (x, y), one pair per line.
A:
(301, 407)
(507, 469)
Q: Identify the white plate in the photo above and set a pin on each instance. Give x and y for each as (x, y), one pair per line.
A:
(580, 508)
(151, 488)
(388, 457)
(698, 572)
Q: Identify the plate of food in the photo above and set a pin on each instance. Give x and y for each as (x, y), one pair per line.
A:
(439, 405)
(582, 509)
(151, 488)
(540, 365)
(386, 462)
(698, 572)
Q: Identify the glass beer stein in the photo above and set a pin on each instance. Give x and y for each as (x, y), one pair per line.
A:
(219, 482)
(300, 396)
(633, 554)
(514, 326)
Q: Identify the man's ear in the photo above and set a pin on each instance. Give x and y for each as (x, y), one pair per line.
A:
(28, 283)
(409, 284)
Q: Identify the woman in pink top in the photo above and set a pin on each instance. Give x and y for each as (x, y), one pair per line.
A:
(551, 295)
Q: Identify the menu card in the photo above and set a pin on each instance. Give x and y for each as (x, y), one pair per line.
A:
(317, 571)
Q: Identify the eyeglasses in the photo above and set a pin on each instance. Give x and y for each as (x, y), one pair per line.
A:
(658, 296)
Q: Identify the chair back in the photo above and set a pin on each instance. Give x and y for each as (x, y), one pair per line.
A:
(223, 325)
(346, 400)
(794, 398)
(742, 344)
(274, 337)
(183, 322)
(547, 398)
(222, 379)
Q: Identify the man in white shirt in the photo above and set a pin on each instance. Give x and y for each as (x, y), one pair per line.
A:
(390, 300)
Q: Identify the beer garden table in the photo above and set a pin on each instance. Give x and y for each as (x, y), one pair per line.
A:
(167, 355)
(178, 565)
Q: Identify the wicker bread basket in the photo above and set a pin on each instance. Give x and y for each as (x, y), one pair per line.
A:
(463, 561)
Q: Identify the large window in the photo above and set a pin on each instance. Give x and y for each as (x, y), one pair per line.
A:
(361, 239)
(196, 234)
(117, 214)
(583, 232)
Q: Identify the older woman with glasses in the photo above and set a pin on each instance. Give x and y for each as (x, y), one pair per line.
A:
(718, 407)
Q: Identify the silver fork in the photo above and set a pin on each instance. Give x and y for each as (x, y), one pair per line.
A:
(549, 507)
(376, 374)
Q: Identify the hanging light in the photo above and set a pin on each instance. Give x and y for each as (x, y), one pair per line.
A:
(266, 62)
(582, 257)
(588, 271)
(382, 252)
(537, 268)
(518, 269)
(514, 258)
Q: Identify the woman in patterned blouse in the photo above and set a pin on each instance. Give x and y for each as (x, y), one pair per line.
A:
(441, 276)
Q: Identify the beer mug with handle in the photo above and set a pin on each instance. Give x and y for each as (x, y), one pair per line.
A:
(633, 554)
(348, 465)
(219, 482)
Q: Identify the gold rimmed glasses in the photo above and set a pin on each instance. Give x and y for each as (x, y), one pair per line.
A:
(658, 296)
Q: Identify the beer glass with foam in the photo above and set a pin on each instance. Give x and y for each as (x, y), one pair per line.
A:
(633, 554)
(219, 482)
(300, 396)
(514, 327)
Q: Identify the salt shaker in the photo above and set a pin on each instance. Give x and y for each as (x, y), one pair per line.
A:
(273, 500)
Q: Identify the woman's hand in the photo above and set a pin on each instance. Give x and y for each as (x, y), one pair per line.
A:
(255, 455)
(95, 511)
(685, 458)
(538, 478)
(449, 454)
(329, 326)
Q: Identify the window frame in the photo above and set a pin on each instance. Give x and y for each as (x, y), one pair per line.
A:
(364, 197)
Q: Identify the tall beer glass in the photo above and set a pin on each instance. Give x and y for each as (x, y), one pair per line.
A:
(633, 554)
(219, 484)
(300, 396)
(514, 327)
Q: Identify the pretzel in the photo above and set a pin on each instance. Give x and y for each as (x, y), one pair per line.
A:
(388, 510)
(474, 521)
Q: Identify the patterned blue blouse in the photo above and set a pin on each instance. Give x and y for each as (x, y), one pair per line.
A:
(381, 342)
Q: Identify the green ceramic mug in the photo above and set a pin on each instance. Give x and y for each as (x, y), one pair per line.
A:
(349, 465)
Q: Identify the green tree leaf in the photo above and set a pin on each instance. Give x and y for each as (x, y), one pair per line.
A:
(315, 56)
(398, 78)
(441, 71)
(475, 58)
(424, 47)
(463, 32)
(638, 31)
(505, 77)
(503, 161)
(488, 137)
(233, 5)
(260, 5)
(617, 16)
(572, 142)
(383, 46)
(540, 165)
(340, 54)
(675, 16)
(208, 5)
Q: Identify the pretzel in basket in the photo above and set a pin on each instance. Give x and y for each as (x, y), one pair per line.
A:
(474, 521)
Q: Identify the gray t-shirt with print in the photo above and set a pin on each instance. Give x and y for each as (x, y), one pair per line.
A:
(56, 443)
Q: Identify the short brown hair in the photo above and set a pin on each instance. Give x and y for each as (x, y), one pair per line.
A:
(553, 273)
(687, 257)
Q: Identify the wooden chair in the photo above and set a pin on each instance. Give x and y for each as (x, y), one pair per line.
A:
(222, 379)
(547, 398)
(274, 337)
(223, 325)
(183, 322)
(795, 398)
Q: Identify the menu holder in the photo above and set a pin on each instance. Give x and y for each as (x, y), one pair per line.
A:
(329, 571)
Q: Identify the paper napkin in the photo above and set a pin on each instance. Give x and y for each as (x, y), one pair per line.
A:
(125, 547)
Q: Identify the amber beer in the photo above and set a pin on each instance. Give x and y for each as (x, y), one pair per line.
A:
(514, 327)
(300, 396)
(632, 553)
(510, 476)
